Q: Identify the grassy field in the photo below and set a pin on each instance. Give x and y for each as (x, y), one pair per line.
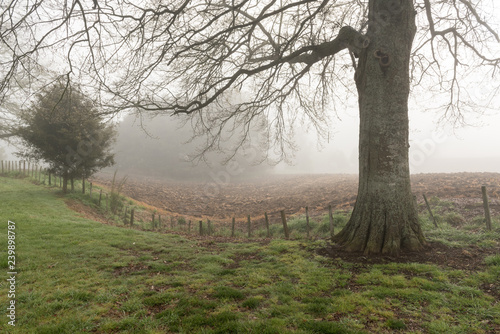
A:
(79, 276)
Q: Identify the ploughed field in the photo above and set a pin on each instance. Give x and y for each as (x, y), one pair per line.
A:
(220, 200)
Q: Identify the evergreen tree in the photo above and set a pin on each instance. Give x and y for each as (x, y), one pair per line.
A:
(65, 130)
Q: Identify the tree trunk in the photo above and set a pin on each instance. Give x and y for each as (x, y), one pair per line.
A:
(385, 219)
(65, 183)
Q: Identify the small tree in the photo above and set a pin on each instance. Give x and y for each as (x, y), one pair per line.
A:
(64, 129)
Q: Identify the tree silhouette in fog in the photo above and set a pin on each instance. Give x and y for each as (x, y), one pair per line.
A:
(163, 147)
(63, 128)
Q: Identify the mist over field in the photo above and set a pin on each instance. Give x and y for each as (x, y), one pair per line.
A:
(162, 147)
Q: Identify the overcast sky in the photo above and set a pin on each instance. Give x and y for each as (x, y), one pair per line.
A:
(433, 148)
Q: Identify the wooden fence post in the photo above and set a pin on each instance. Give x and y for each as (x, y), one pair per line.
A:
(132, 217)
(201, 227)
(307, 222)
(430, 211)
(249, 226)
(209, 227)
(100, 197)
(330, 216)
(267, 225)
(232, 227)
(153, 221)
(285, 226)
(486, 208)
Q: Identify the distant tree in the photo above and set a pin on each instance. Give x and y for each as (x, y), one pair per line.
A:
(64, 129)
(162, 146)
(290, 61)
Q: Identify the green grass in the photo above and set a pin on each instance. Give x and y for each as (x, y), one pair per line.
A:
(80, 276)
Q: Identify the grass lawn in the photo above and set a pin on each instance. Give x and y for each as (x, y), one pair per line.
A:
(75, 275)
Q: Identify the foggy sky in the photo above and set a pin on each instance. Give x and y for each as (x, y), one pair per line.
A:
(433, 149)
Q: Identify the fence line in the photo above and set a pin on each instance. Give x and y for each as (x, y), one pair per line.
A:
(28, 169)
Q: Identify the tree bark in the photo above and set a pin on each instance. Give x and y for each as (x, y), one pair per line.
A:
(384, 219)
(65, 183)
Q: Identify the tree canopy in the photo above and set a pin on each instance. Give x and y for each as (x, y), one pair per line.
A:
(63, 129)
(276, 62)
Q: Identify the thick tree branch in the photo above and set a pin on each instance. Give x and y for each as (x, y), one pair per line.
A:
(348, 38)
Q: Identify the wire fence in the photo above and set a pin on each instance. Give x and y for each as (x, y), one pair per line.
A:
(131, 214)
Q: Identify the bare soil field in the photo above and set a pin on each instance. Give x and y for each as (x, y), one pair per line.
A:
(220, 200)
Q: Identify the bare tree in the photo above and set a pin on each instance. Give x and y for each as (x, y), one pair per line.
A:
(234, 64)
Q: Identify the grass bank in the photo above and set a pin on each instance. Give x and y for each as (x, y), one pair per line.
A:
(75, 275)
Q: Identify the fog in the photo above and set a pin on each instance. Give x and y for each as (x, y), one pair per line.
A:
(158, 148)
(162, 147)
(434, 147)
